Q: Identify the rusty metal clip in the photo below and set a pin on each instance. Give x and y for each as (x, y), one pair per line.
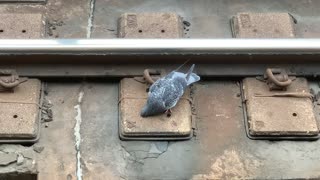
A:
(9, 79)
(148, 72)
(277, 79)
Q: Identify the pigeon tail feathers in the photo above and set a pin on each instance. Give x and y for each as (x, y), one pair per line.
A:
(193, 78)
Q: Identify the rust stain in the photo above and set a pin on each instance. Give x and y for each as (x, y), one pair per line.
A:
(232, 165)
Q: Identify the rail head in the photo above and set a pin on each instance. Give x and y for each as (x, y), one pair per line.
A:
(159, 46)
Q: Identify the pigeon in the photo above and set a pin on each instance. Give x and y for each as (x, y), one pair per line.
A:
(166, 92)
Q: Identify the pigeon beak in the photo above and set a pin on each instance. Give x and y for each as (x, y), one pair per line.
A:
(144, 112)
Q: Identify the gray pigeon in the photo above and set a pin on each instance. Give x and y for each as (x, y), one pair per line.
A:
(166, 92)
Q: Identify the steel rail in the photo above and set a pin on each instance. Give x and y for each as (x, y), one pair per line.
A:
(160, 46)
(129, 57)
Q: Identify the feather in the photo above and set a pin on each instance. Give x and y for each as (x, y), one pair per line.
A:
(165, 93)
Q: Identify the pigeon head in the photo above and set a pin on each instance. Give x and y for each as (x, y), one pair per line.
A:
(152, 107)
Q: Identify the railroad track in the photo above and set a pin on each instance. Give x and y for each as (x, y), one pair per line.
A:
(85, 61)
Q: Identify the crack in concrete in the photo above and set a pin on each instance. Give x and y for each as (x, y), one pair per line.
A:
(25, 157)
(8, 165)
(7, 159)
(153, 151)
(78, 135)
(90, 19)
(123, 178)
(133, 158)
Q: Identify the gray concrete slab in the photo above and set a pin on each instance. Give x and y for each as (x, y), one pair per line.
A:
(19, 112)
(57, 159)
(240, 157)
(22, 26)
(101, 151)
(65, 19)
(82, 140)
(132, 126)
(104, 155)
(150, 25)
(208, 19)
(274, 116)
(219, 150)
(263, 25)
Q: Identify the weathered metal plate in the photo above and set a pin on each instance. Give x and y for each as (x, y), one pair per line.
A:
(150, 25)
(263, 25)
(22, 26)
(19, 112)
(279, 116)
(133, 96)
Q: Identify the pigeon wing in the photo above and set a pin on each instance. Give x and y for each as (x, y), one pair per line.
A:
(172, 93)
(156, 85)
(161, 82)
